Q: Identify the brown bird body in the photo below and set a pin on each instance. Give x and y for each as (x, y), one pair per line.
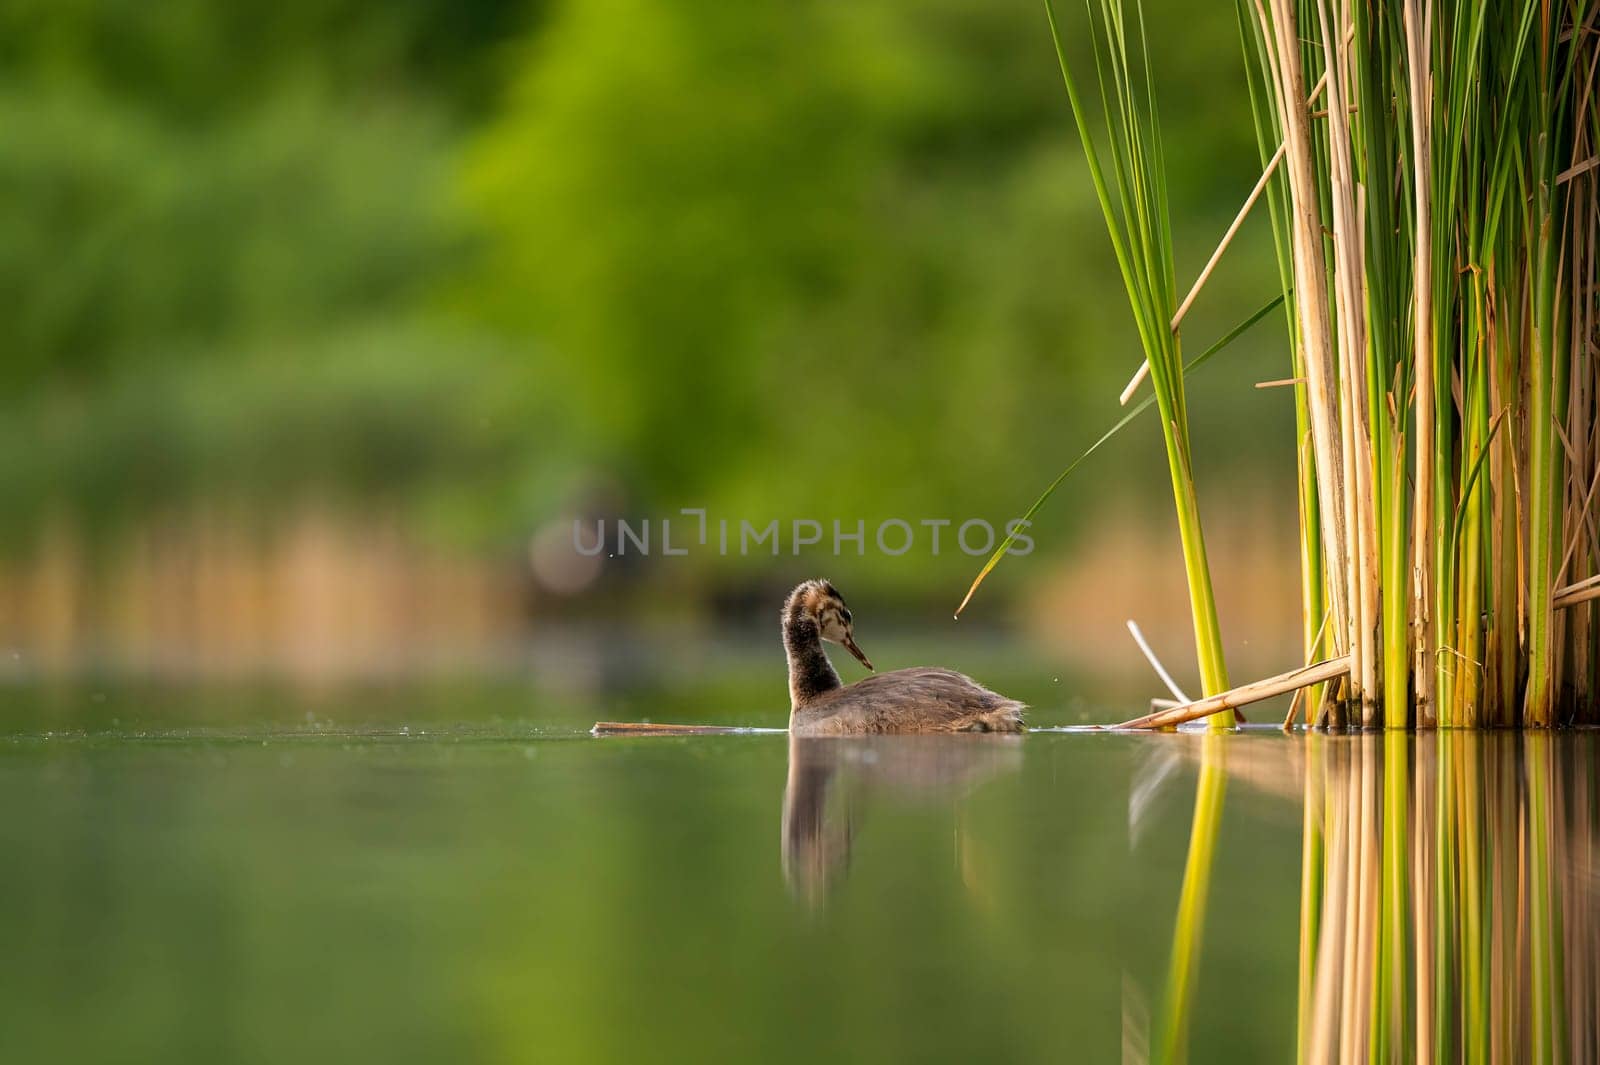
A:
(921, 699)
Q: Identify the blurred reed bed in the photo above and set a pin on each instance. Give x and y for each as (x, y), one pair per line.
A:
(1430, 175)
(321, 595)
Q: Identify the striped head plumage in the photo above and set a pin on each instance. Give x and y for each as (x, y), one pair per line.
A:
(820, 602)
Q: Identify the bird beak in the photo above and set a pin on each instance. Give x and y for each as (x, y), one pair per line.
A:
(850, 645)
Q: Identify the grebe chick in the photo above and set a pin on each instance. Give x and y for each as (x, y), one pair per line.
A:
(921, 699)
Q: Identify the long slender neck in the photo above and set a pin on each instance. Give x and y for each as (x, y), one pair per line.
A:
(810, 672)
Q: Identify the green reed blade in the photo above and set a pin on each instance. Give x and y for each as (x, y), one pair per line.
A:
(1121, 423)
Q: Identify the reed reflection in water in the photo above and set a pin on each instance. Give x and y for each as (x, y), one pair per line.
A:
(1450, 899)
(1450, 894)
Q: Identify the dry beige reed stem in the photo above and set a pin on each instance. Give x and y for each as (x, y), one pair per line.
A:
(1421, 92)
(1310, 293)
(1227, 238)
(1243, 695)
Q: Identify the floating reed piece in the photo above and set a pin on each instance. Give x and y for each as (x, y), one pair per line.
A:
(1437, 222)
(647, 728)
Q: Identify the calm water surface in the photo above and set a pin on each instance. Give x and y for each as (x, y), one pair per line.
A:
(504, 891)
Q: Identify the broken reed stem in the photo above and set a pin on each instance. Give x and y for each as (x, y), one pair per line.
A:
(1243, 695)
(1573, 596)
(1166, 678)
(1587, 582)
(1155, 664)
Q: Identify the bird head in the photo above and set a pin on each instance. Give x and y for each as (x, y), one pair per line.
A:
(821, 602)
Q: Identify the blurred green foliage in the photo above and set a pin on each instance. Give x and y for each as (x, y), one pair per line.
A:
(485, 259)
(127, 237)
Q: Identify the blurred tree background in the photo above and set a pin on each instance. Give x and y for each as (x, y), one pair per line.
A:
(463, 269)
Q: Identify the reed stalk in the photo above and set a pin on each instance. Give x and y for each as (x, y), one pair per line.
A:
(1418, 23)
(1139, 224)
(1278, 49)
(1272, 148)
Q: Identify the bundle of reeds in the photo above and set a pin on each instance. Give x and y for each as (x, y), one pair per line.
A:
(1431, 175)
(1437, 223)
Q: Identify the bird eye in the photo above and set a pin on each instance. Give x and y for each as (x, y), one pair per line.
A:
(847, 617)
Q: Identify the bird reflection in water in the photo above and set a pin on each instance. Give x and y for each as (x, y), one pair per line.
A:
(833, 780)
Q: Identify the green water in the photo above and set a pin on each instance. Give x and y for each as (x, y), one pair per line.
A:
(506, 890)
